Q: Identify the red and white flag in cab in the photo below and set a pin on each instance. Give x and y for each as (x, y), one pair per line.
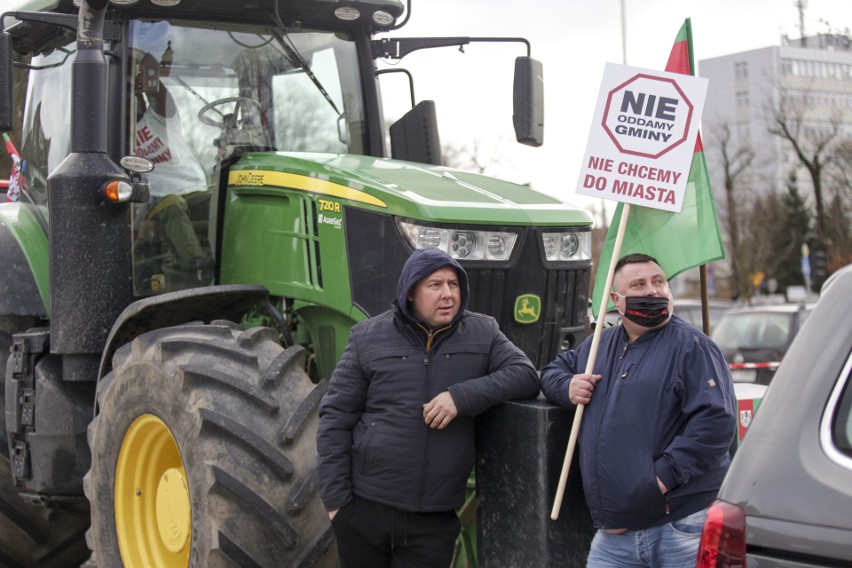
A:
(17, 182)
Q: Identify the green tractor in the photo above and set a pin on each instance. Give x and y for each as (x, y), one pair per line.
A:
(212, 199)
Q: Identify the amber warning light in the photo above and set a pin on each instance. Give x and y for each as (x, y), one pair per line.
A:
(117, 191)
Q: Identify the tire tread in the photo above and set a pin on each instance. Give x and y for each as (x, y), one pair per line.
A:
(244, 413)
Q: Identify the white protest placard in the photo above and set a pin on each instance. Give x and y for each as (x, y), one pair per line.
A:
(642, 137)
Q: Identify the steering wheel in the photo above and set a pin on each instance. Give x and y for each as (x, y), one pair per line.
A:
(241, 103)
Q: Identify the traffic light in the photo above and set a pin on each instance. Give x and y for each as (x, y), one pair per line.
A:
(818, 265)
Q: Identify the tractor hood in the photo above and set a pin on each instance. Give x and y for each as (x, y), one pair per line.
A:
(406, 189)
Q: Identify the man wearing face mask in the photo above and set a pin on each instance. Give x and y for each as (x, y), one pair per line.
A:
(657, 428)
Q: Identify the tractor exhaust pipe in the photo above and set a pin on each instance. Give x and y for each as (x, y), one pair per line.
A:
(89, 72)
(90, 262)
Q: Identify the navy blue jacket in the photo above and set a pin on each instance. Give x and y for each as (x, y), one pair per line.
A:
(373, 441)
(664, 407)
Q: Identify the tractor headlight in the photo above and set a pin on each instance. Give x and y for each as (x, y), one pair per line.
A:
(463, 244)
(567, 246)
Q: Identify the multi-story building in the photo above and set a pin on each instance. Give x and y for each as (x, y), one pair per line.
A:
(814, 76)
(809, 77)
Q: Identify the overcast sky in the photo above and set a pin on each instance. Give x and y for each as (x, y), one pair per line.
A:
(573, 39)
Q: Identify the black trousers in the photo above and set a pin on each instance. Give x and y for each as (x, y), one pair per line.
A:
(372, 535)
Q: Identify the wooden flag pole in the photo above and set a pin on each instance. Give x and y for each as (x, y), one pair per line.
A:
(705, 302)
(578, 413)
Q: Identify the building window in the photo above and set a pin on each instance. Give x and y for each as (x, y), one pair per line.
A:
(742, 99)
(741, 70)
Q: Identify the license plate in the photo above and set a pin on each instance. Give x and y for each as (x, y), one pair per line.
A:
(744, 375)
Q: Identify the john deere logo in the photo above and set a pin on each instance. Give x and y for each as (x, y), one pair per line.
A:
(527, 308)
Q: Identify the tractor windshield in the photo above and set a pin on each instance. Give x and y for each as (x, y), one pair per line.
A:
(200, 92)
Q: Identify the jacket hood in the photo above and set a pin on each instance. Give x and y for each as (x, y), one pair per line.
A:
(421, 264)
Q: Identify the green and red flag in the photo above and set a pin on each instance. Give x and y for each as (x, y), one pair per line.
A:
(679, 241)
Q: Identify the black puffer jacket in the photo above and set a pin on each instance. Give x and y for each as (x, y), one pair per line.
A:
(373, 440)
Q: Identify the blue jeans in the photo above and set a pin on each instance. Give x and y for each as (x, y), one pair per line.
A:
(671, 545)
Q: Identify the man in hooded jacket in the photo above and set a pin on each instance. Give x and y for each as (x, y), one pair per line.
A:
(396, 437)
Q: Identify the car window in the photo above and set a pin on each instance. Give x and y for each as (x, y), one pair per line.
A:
(753, 330)
(841, 423)
(716, 314)
(692, 314)
(688, 314)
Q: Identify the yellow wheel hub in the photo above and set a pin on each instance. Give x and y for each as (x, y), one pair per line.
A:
(153, 514)
(173, 514)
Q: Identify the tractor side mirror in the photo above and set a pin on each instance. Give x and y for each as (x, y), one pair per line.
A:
(414, 137)
(528, 101)
(6, 93)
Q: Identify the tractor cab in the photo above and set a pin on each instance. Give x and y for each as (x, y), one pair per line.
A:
(195, 96)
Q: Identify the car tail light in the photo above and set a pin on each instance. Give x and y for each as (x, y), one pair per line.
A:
(723, 538)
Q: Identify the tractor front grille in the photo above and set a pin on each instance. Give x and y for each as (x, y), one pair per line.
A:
(564, 294)
(377, 252)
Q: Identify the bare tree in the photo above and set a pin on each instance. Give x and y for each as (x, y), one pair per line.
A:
(838, 236)
(472, 156)
(734, 162)
(760, 229)
(841, 176)
(813, 139)
(838, 229)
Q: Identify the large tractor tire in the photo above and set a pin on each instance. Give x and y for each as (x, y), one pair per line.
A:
(31, 534)
(204, 454)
